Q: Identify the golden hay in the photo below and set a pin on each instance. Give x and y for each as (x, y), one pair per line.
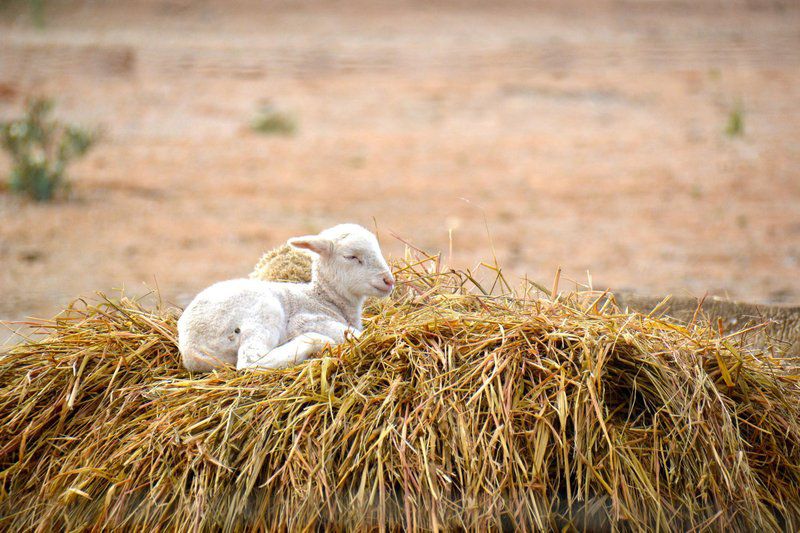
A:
(455, 409)
(781, 330)
(283, 264)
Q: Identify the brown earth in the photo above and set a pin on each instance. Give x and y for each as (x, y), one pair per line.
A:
(589, 136)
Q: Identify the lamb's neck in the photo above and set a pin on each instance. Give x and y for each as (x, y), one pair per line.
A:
(329, 293)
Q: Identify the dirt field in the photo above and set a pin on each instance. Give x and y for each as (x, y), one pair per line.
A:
(586, 136)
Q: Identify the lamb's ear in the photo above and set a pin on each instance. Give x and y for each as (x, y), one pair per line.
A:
(314, 243)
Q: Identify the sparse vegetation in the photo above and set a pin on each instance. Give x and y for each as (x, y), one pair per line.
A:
(37, 12)
(270, 121)
(35, 9)
(40, 150)
(735, 125)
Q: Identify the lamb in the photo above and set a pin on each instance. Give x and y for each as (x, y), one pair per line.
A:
(253, 323)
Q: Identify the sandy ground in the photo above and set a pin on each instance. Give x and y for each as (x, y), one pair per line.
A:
(589, 136)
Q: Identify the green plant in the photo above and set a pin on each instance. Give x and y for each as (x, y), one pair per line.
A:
(40, 149)
(35, 10)
(735, 125)
(270, 121)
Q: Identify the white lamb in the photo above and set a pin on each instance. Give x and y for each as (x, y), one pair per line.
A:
(253, 323)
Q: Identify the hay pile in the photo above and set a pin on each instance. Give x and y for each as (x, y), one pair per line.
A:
(455, 409)
(283, 264)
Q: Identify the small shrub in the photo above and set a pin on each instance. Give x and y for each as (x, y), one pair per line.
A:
(40, 149)
(37, 12)
(270, 121)
(735, 125)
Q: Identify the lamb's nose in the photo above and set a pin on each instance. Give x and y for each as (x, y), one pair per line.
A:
(388, 280)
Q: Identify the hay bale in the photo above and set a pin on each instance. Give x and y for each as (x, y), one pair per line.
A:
(782, 322)
(455, 409)
(782, 331)
(283, 264)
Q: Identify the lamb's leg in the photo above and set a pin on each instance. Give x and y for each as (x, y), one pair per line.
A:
(254, 347)
(295, 351)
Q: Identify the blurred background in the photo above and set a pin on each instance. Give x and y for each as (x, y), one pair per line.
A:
(654, 144)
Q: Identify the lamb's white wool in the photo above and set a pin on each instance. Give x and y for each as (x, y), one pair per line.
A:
(253, 323)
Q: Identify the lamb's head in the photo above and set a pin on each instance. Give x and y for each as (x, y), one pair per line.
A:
(349, 257)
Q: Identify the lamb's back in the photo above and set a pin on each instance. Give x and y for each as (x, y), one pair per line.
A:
(226, 305)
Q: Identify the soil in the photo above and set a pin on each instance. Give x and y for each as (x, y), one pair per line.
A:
(587, 136)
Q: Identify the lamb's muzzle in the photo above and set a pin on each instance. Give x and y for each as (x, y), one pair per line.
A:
(253, 323)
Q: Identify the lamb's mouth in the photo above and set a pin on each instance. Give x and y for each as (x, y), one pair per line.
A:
(383, 290)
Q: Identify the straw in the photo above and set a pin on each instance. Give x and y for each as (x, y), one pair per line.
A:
(459, 407)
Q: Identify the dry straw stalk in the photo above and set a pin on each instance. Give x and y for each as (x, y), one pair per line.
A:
(462, 406)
